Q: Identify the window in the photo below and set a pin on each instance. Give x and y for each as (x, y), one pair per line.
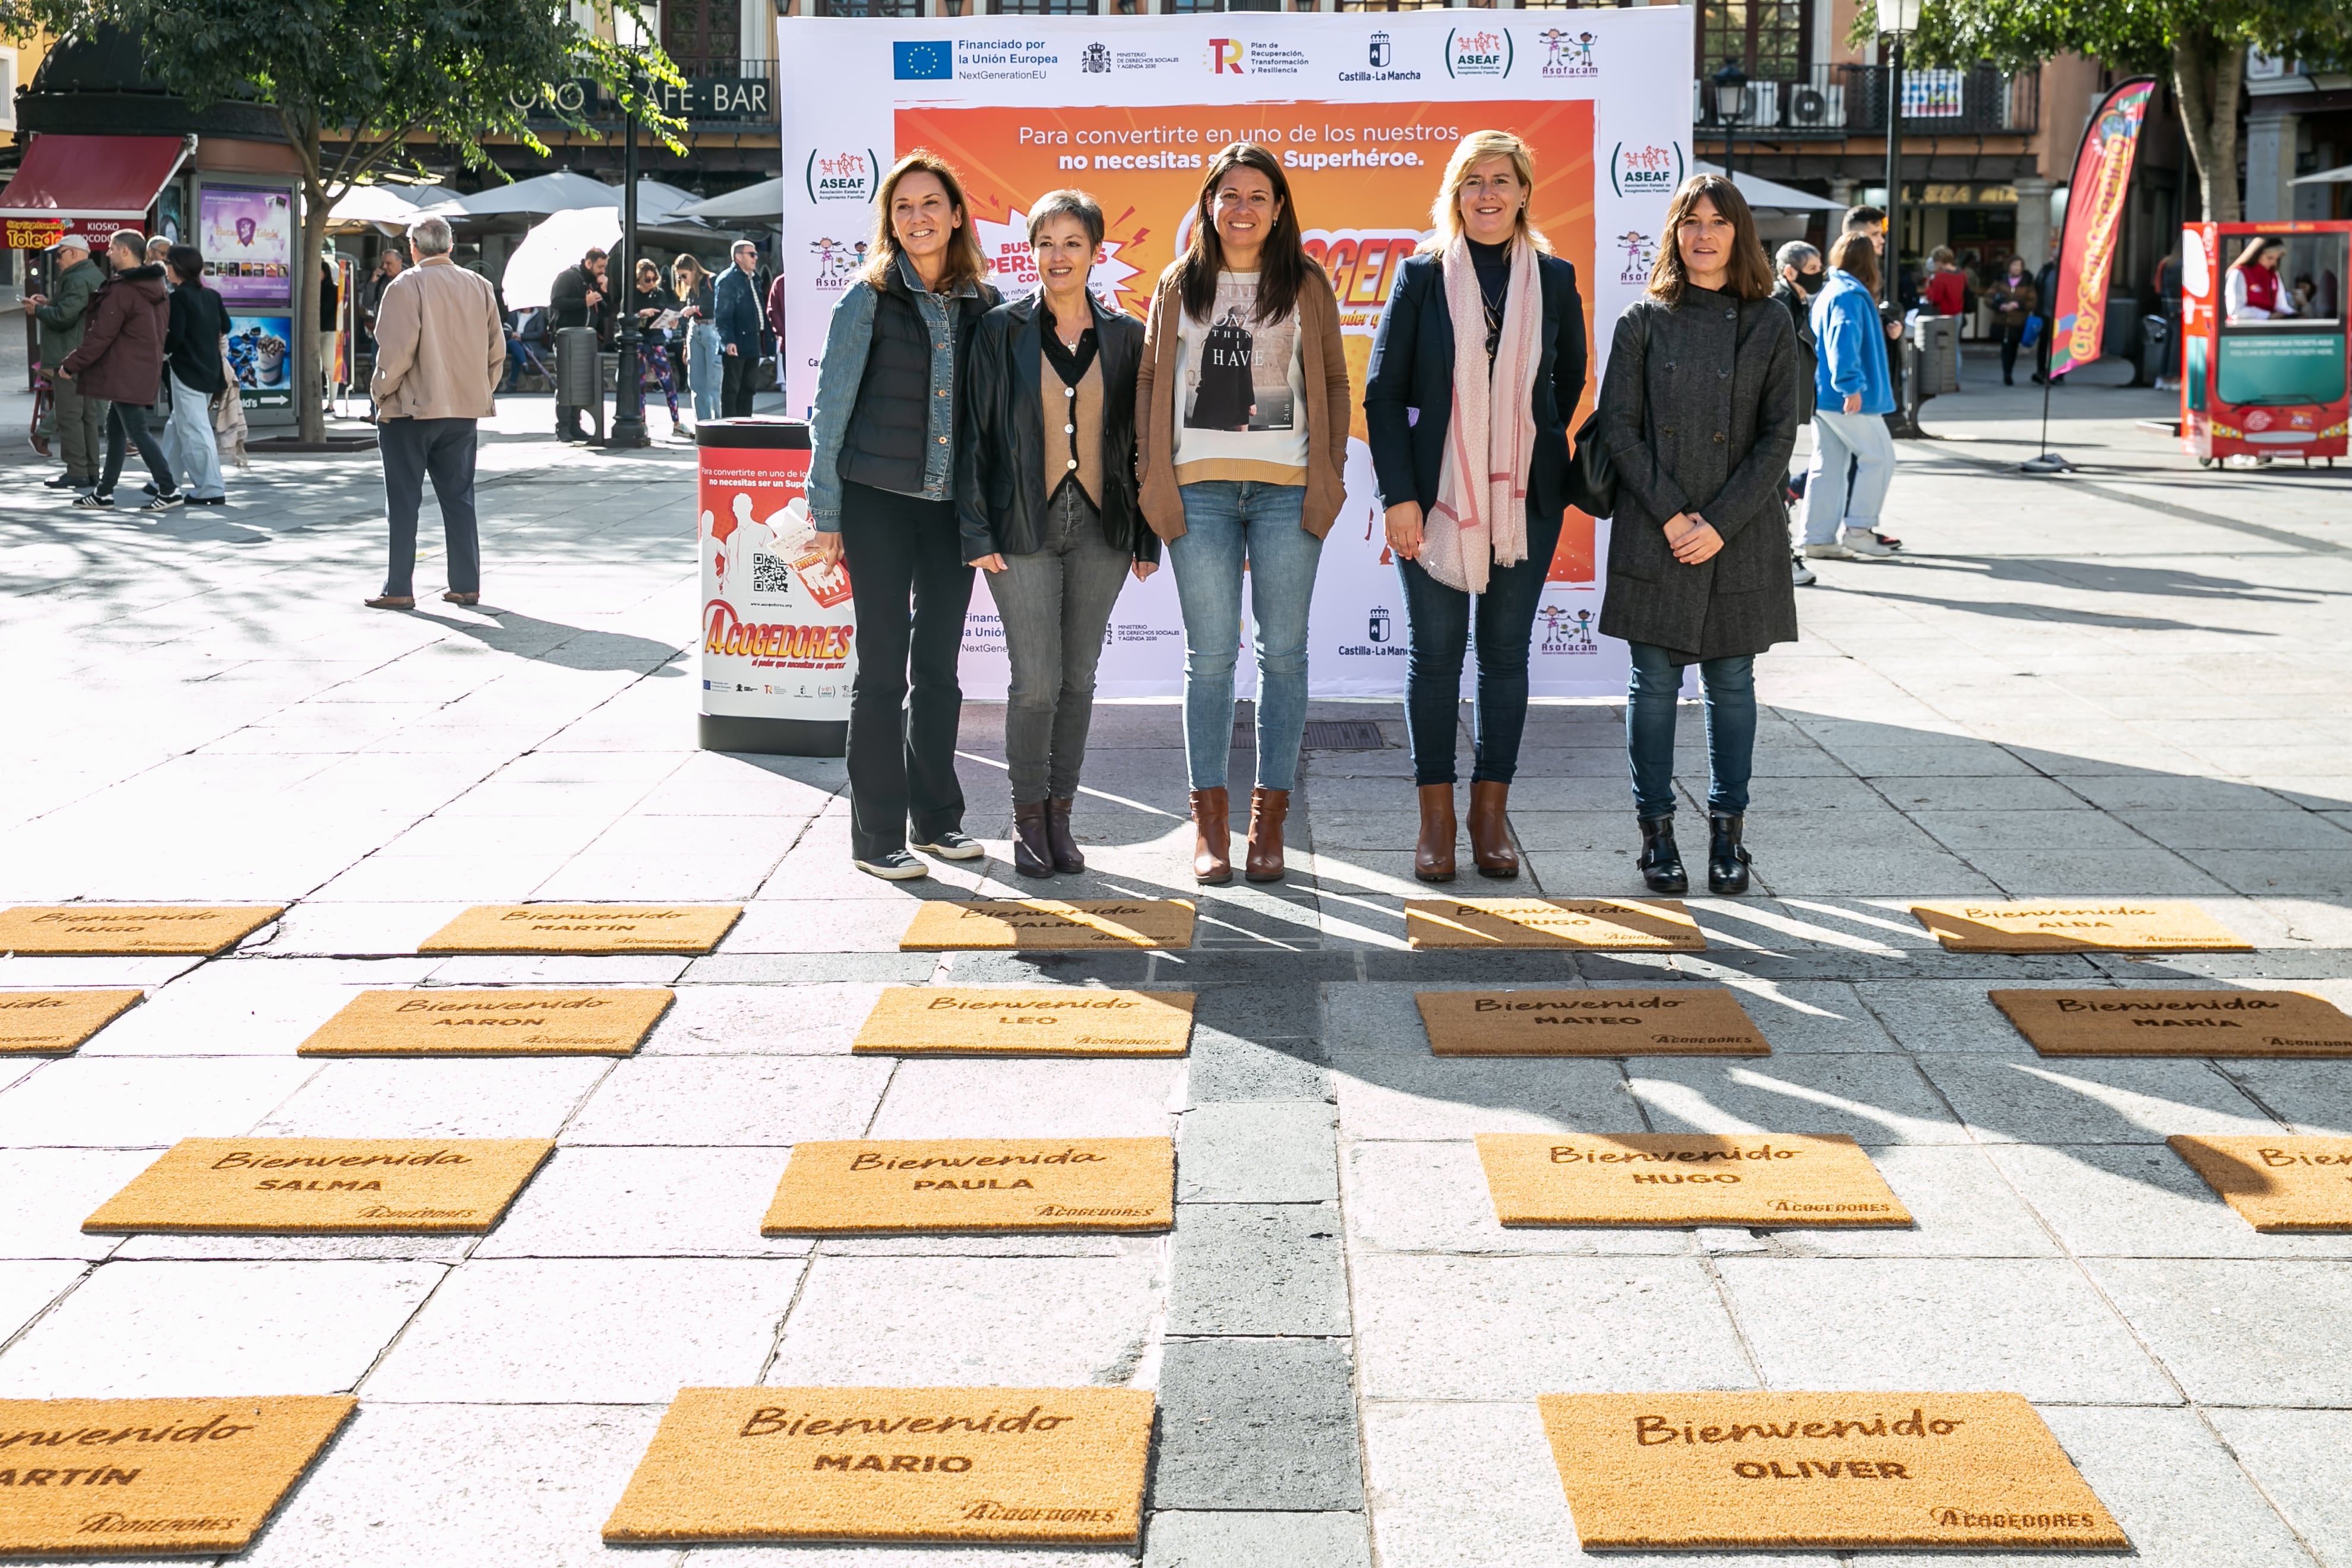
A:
(1041, 7)
(705, 37)
(1767, 37)
(866, 8)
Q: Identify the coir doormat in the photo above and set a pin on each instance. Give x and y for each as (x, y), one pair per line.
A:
(2276, 1184)
(323, 1186)
(50, 1023)
(1653, 925)
(1688, 1022)
(2111, 1023)
(2110, 925)
(1734, 1471)
(585, 928)
(610, 1022)
(1002, 924)
(69, 931)
(964, 1185)
(1067, 1021)
(108, 1478)
(1764, 1179)
(1043, 1465)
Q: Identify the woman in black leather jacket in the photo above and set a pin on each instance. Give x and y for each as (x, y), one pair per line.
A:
(1047, 508)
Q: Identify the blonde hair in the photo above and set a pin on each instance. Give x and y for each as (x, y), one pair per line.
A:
(1446, 212)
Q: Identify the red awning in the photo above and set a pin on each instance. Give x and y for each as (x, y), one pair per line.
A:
(111, 179)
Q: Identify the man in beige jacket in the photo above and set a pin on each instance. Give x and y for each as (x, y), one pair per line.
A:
(439, 350)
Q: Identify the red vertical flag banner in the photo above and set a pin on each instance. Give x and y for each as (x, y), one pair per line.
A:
(2095, 211)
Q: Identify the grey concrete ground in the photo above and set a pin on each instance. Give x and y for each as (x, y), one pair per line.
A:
(2128, 682)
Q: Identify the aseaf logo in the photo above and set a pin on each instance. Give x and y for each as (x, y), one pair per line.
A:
(1638, 171)
(1567, 54)
(840, 177)
(1482, 51)
(1224, 55)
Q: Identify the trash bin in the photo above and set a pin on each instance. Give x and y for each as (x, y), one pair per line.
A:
(580, 374)
(1936, 340)
(778, 628)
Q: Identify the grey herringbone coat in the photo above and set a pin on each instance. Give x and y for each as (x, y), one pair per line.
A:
(1702, 419)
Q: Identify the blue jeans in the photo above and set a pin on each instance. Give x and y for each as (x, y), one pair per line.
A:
(1731, 685)
(1438, 620)
(702, 369)
(1845, 484)
(1226, 521)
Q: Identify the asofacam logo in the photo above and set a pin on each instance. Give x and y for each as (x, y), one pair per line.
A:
(1566, 54)
(1640, 257)
(840, 176)
(1479, 51)
(933, 60)
(1646, 169)
(1224, 55)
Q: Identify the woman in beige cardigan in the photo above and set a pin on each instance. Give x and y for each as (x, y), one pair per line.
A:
(1241, 412)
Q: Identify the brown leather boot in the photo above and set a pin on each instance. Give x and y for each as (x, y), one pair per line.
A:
(1066, 858)
(1213, 837)
(1267, 808)
(1433, 857)
(1031, 855)
(1490, 835)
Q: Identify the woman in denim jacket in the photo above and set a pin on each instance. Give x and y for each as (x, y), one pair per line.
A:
(881, 495)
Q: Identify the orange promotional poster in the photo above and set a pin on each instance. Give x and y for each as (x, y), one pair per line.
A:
(1363, 112)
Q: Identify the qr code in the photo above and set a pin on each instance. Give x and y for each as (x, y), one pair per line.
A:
(770, 574)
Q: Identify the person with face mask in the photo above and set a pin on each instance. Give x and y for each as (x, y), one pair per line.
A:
(1798, 277)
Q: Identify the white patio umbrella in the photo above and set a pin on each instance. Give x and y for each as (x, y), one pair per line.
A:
(555, 243)
(389, 205)
(764, 201)
(537, 196)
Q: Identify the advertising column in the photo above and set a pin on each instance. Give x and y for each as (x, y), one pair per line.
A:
(248, 235)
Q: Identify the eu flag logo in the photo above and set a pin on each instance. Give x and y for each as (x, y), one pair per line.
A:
(933, 61)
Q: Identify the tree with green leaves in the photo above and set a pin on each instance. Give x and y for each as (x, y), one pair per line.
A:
(2199, 45)
(358, 86)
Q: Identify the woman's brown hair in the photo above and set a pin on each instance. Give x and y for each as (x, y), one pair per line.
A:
(2255, 246)
(1749, 275)
(1283, 265)
(966, 262)
(1856, 256)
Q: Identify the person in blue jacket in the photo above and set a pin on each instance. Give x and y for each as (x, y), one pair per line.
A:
(1853, 455)
(735, 303)
(1482, 341)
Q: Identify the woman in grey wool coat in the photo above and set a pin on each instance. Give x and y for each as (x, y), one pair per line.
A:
(1700, 411)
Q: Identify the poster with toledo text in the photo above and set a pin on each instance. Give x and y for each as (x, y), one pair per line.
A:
(1363, 109)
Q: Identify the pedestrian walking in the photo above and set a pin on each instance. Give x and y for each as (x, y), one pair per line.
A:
(330, 297)
(63, 315)
(1046, 502)
(703, 375)
(1699, 411)
(2014, 301)
(1228, 485)
(388, 266)
(1853, 454)
(1946, 291)
(1476, 371)
(881, 478)
(774, 317)
(438, 351)
(652, 302)
(1800, 276)
(735, 304)
(194, 334)
(2167, 305)
(578, 299)
(120, 359)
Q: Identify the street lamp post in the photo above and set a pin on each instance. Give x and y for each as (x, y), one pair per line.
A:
(629, 403)
(1731, 107)
(1897, 19)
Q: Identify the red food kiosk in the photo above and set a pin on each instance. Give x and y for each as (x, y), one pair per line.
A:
(2266, 384)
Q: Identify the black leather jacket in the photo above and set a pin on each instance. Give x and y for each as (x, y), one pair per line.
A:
(1000, 481)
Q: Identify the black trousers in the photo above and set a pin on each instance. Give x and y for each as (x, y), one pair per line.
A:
(443, 448)
(737, 372)
(127, 423)
(2011, 339)
(902, 550)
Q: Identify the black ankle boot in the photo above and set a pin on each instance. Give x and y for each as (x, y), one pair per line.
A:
(1033, 852)
(1726, 858)
(1661, 863)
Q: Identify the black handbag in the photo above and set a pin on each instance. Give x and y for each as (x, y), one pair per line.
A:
(1592, 476)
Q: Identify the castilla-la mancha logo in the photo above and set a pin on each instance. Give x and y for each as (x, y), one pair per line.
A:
(1566, 54)
(1479, 51)
(840, 176)
(1642, 170)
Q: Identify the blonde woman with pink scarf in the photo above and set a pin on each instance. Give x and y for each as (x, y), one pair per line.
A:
(1475, 380)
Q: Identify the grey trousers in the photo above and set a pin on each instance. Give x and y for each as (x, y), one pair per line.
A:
(1056, 605)
(82, 430)
(444, 448)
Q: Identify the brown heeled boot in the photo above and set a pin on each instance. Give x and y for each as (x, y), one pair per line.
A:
(1067, 859)
(1213, 837)
(1267, 808)
(1031, 857)
(1432, 856)
(1490, 835)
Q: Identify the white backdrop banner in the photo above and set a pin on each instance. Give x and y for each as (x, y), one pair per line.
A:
(1362, 109)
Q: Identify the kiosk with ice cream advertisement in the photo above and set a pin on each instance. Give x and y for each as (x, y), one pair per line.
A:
(2265, 373)
(778, 635)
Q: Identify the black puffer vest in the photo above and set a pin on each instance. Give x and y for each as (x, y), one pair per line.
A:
(889, 430)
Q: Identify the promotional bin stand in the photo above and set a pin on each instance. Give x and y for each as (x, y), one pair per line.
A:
(778, 630)
(2265, 386)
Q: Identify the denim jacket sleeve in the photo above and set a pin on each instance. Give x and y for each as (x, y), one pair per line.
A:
(839, 374)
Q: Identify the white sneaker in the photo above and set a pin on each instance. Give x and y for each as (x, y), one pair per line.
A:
(1800, 573)
(1862, 545)
(1830, 551)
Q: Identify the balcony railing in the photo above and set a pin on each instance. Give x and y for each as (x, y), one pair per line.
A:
(1835, 102)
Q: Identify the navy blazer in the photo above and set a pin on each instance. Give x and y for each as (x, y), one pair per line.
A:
(736, 307)
(1409, 392)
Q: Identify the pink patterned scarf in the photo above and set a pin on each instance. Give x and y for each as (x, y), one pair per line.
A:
(1481, 479)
